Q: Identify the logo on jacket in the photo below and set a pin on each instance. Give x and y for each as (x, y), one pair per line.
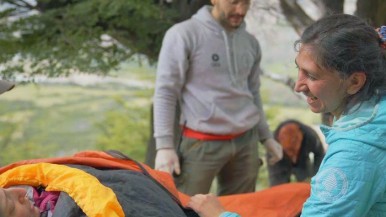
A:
(331, 185)
(215, 60)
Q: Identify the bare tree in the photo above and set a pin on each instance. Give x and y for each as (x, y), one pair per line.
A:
(331, 6)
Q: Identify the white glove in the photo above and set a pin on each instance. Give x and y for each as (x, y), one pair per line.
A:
(167, 160)
(274, 150)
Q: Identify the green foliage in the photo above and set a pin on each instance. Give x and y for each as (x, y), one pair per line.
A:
(11, 133)
(126, 130)
(40, 121)
(66, 36)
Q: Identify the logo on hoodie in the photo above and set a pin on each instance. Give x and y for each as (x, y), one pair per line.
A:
(332, 184)
(215, 60)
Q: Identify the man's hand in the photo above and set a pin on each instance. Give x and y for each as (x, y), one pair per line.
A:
(274, 150)
(206, 205)
(167, 160)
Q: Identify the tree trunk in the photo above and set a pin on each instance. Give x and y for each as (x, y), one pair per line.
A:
(332, 7)
(151, 151)
(373, 11)
(188, 7)
(299, 19)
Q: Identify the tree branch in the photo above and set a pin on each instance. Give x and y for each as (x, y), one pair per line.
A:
(20, 3)
(297, 17)
(284, 79)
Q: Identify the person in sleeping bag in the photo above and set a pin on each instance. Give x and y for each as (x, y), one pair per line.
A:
(26, 201)
(73, 190)
(41, 189)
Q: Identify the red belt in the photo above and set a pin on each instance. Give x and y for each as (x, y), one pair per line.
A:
(187, 132)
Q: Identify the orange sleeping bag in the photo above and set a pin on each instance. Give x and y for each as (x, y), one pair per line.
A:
(281, 201)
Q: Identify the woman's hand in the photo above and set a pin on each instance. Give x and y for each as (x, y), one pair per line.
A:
(206, 205)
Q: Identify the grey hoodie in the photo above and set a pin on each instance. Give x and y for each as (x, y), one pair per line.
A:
(214, 74)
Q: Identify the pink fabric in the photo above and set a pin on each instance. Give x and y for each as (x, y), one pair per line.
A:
(46, 200)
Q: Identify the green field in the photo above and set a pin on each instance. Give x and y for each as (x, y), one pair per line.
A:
(47, 120)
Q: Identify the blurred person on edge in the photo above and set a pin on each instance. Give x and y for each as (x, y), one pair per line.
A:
(299, 142)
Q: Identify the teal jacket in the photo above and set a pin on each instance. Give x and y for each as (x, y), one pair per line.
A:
(351, 180)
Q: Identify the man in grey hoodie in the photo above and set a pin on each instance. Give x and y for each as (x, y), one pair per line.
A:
(210, 65)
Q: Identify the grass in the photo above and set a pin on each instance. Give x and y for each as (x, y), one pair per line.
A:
(55, 120)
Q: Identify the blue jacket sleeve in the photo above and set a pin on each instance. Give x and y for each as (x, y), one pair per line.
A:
(229, 214)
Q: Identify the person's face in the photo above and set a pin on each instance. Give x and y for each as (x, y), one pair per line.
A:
(230, 13)
(13, 202)
(325, 90)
